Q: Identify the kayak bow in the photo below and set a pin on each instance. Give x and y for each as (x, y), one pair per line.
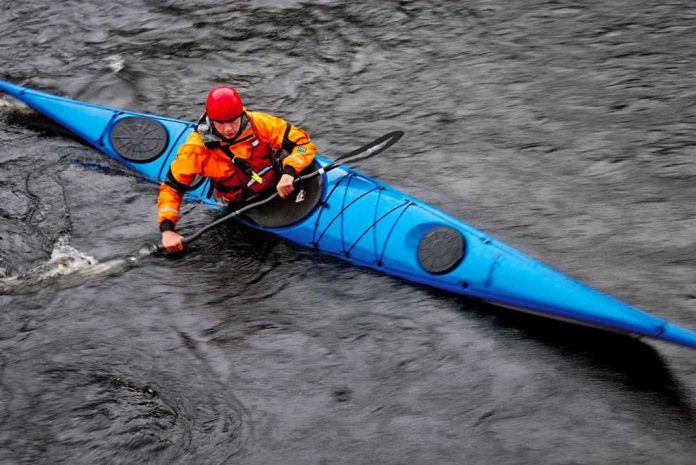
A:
(359, 219)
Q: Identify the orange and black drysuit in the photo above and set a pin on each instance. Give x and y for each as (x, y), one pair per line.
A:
(236, 169)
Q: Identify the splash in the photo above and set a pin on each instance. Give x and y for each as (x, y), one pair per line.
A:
(68, 267)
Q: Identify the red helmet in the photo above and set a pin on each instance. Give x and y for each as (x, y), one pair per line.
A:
(224, 104)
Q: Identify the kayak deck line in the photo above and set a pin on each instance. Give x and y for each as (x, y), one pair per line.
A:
(367, 223)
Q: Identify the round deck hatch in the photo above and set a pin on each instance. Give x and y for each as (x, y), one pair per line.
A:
(139, 139)
(441, 249)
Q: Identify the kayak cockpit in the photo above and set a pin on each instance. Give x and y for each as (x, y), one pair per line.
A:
(292, 209)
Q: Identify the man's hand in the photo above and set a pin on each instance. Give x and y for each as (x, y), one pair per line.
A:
(285, 185)
(172, 241)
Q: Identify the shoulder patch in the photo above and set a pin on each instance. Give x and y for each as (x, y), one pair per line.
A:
(302, 150)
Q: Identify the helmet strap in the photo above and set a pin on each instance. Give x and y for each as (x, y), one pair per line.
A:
(211, 137)
(207, 131)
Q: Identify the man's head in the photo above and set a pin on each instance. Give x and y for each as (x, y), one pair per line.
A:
(224, 108)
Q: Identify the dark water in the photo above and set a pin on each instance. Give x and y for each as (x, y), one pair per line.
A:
(566, 129)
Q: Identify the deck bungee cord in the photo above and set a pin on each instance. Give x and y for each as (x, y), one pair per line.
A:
(324, 206)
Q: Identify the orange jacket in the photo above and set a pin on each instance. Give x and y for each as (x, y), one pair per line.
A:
(265, 136)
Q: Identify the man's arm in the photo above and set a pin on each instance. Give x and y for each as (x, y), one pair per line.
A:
(169, 202)
(300, 149)
(180, 176)
(280, 134)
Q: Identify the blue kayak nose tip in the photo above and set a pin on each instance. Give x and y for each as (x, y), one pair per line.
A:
(677, 335)
(11, 89)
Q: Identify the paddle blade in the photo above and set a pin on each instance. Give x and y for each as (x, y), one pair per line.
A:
(371, 149)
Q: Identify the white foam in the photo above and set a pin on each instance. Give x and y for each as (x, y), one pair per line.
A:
(68, 267)
(116, 63)
(64, 260)
(13, 104)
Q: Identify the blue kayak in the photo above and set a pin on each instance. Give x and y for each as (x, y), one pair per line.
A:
(359, 219)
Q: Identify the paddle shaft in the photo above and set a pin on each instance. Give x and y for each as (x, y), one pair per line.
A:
(192, 237)
(368, 150)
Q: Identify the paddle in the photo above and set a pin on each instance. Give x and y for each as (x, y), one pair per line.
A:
(117, 265)
(366, 151)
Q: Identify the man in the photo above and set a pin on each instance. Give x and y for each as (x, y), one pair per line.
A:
(238, 150)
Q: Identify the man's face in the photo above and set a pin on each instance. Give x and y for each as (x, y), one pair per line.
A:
(228, 129)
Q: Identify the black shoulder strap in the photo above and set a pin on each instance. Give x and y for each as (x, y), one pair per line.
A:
(238, 162)
(288, 145)
(171, 181)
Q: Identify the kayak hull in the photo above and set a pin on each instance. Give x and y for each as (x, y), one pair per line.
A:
(368, 223)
